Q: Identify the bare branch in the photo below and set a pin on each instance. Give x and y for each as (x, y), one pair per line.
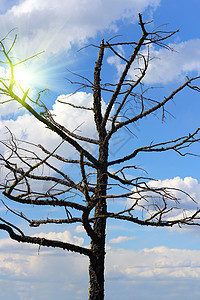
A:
(149, 111)
(53, 202)
(97, 88)
(175, 145)
(124, 74)
(70, 161)
(36, 223)
(45, 242)
(75, 106)
(184, 221)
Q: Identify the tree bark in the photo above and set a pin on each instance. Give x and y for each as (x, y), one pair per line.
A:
(97, 262)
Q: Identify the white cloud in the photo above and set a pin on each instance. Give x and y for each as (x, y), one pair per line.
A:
(62, 236)
(189, 185)
(185, 190)
(121, 239)
(51, 274)
(159, 262)
(28, 128)
(79, 229)
(61, 23)
(77, 120)
(8, 108)
(167, 66)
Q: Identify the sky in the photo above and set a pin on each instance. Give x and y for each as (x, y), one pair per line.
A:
(141, 263)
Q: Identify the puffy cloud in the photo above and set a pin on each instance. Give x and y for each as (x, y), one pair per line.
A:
(77, 120)
(166, 66)
(28, 128)
(187, 193)
(189, 185)
(186, 190)
(8, 109)
(120, 239)
(59, 24)
(79, 229)
(62, 236)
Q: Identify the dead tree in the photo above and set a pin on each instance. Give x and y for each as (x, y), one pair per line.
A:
(86, 199)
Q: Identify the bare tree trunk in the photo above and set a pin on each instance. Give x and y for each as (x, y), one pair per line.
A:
(96, 268)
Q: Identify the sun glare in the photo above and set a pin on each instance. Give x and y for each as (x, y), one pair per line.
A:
(23, 77)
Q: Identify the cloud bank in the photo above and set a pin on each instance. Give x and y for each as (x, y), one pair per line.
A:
(50, 275)
(54, 274)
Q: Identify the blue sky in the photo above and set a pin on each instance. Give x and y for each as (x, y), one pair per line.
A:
(141, 263)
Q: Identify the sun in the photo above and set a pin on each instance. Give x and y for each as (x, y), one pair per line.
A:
(23, 77)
